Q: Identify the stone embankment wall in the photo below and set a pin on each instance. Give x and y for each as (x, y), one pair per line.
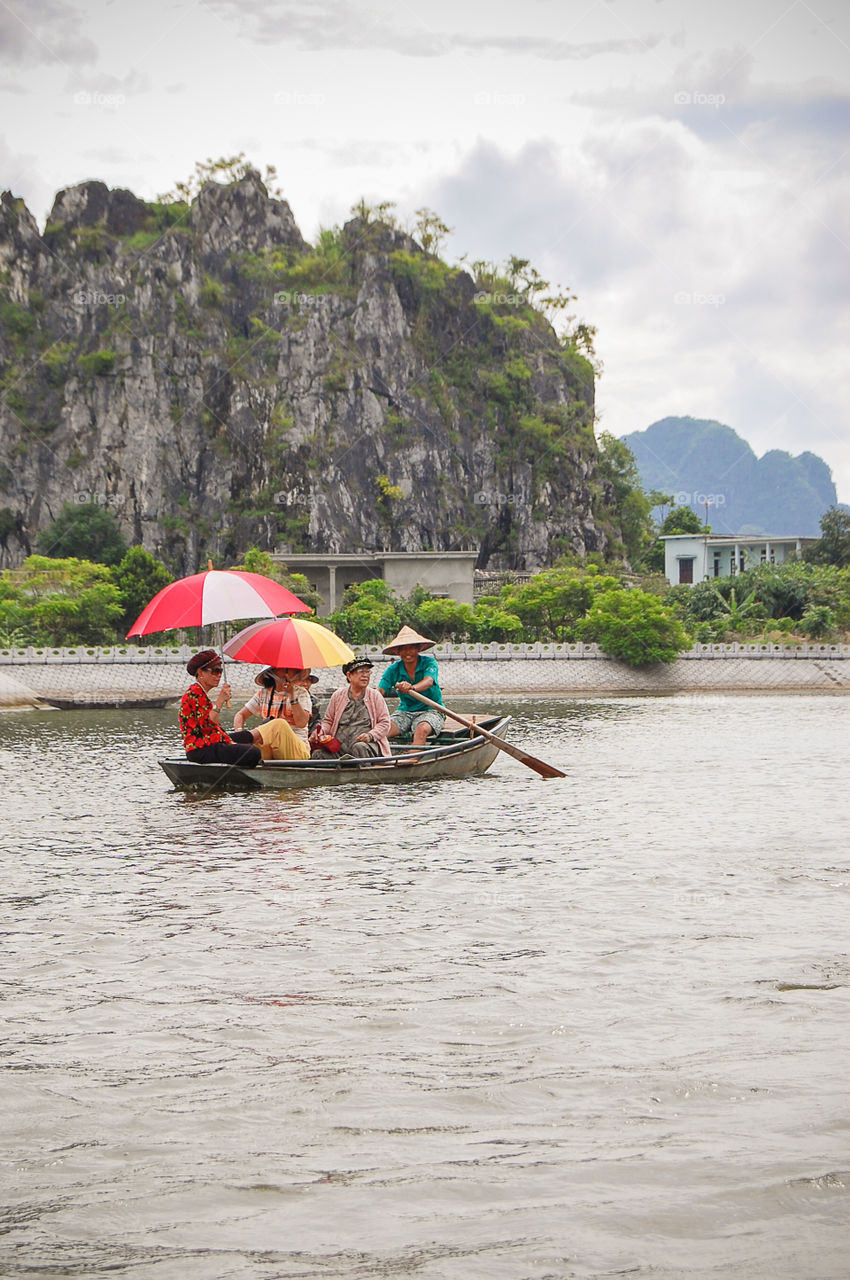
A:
(147, 676)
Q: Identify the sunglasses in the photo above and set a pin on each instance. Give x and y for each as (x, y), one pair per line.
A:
(216, 671)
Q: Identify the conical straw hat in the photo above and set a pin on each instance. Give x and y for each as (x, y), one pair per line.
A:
(408, 636)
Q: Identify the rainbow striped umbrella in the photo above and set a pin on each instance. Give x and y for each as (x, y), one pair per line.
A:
(289, 642)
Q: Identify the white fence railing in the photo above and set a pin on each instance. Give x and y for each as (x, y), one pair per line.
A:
(160, 654)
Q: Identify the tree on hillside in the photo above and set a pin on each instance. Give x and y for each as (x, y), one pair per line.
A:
(662, 500)
(619, 468)
(138, 578)
(83, 531)
(225, 170)
(430, 230)
(683, 520)
(679, 520)
(833, 546)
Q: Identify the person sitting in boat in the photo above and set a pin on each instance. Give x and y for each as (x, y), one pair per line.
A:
(204, 739)
(283, 692)
(357, 721)
(413, 670)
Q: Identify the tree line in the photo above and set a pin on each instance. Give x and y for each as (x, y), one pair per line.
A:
(85, 586)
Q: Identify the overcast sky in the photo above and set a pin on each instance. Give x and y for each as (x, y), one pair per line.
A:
(680, 165)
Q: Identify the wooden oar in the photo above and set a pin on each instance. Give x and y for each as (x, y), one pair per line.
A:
(539, 766)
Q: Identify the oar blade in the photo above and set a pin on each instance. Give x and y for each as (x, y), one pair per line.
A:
(539, 766)
(545, 770)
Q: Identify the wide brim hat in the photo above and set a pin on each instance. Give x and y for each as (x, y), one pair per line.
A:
(273, 671)
(408, 636)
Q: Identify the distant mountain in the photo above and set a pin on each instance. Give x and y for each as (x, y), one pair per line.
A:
(703, 462)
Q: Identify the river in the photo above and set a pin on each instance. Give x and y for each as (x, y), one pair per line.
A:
(489, 1028)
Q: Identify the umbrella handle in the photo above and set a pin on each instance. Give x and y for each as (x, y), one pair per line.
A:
(220, 642)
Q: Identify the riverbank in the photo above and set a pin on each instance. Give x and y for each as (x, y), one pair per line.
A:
(155, 676)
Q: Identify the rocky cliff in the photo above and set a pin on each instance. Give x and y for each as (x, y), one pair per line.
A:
(218, 383)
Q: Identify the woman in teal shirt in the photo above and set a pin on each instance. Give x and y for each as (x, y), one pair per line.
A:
(414, 669)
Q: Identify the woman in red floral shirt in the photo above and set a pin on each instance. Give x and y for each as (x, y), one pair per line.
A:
(203, 737)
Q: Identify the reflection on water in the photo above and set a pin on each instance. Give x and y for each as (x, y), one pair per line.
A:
(481, 1028)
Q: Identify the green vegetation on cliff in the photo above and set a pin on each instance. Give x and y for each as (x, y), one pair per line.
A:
(227, 384)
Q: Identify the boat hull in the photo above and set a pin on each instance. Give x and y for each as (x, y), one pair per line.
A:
(456, 756)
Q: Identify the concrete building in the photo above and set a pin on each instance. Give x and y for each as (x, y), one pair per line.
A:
(443, 573)
(693, 557)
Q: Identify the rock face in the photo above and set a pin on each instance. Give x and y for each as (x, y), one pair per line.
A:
(219, 383)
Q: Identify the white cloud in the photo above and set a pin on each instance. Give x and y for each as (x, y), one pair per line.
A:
(314, 25)
(549, 131)
(43, 31)
(705, 289)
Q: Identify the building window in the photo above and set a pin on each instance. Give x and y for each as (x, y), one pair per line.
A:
(717, 564)
(686, 571)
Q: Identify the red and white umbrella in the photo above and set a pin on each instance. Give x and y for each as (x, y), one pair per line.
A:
(218, 595)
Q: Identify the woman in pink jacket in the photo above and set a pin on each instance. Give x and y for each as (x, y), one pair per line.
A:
(357, 721)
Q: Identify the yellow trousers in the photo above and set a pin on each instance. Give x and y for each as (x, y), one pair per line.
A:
(280, 743)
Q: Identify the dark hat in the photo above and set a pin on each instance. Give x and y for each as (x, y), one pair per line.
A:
(357, 664)
(203, 659)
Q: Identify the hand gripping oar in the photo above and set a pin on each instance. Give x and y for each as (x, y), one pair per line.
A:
(539, 766)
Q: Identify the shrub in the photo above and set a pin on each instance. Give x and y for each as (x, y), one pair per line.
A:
(56, 361)
(817, 622)
(551, 603)
(211, 293)
(489, 624)
(442, 619)
(635, 627)
(96, 363)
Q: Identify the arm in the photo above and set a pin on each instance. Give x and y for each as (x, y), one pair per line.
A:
(251, 708)
(423, 684)
(300, 709)
(386, 684)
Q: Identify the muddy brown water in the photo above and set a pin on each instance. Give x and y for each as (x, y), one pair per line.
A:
(490, 1028)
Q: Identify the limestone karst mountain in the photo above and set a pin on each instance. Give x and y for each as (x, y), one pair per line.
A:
(709, 467)
(220, 383)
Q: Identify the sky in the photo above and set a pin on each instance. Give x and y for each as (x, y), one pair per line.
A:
(680, 166)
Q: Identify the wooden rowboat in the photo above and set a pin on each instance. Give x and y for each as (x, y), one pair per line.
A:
(460, 754)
